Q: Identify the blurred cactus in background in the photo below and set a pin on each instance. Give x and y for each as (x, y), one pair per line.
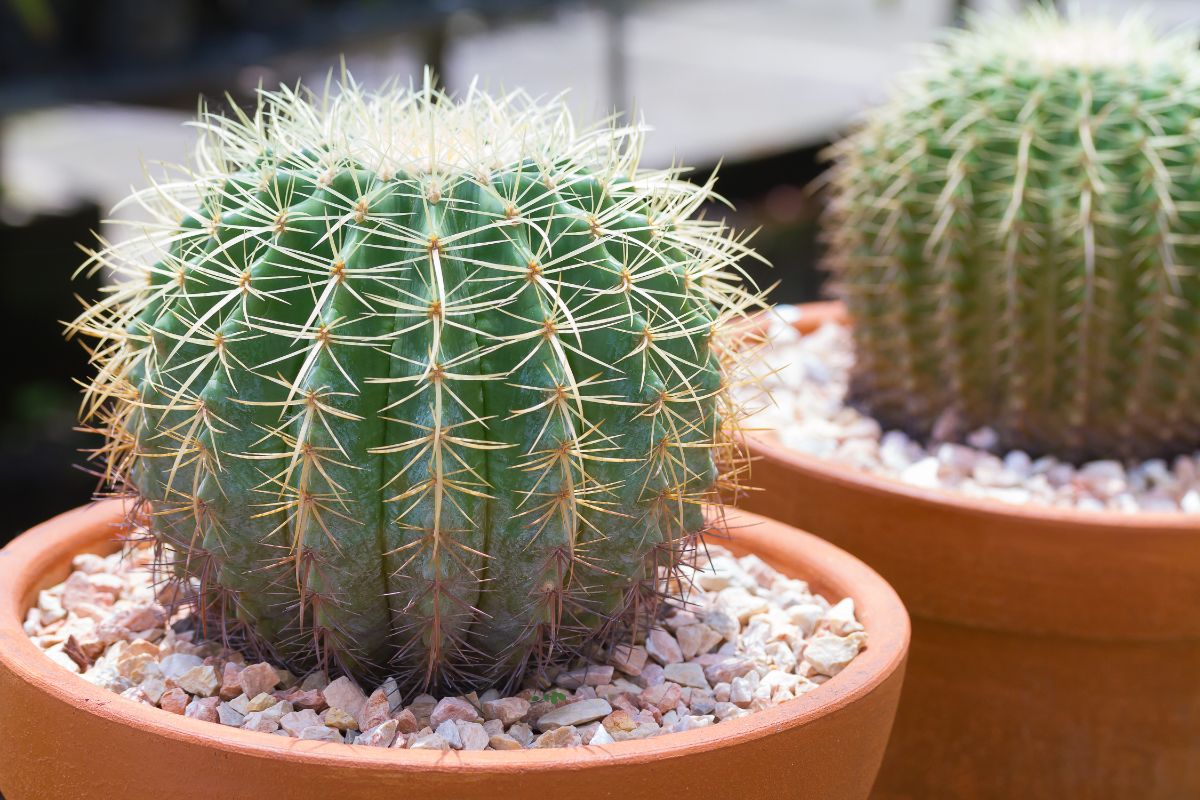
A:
(416, 385)
(1016, 233)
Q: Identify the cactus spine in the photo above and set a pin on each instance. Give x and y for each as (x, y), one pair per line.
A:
(417, 385)
(1017, 236)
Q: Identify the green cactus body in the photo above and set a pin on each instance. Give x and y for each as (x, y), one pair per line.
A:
(420, 386)
(1016, 234)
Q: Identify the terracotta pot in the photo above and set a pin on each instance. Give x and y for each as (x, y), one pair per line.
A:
(62, 738)
(1055, 654)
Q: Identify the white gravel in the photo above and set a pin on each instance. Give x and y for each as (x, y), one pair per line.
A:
(806, 378)
(744, 638)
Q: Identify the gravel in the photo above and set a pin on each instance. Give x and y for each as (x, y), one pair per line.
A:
(805, 378)
(743, 638)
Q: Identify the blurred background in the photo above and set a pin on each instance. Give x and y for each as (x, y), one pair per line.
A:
(93, 92)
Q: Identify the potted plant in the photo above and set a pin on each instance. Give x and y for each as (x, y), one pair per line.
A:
(428, 394)
(990, 418)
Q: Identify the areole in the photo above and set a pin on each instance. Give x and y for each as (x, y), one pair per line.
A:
(85, 742)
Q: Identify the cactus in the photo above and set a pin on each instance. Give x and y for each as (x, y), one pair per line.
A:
(1016, 234)
(417, 385)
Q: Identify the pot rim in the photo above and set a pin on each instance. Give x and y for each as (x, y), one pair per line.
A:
(812, 316)
(26, 561)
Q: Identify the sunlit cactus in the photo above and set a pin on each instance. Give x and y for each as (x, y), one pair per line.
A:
(1016, 233)
(421, 386)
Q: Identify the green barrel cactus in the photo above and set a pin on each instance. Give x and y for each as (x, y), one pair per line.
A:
(420, 386)
(1016, 233)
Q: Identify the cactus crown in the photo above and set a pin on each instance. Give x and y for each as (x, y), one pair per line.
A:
(417, 385)
(1017, 237)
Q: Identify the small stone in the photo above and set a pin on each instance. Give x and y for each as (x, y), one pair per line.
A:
(376, 710)
(407, 722)
(724, 624)
(320, 733)
(108, 587)
(176, 664)
(829, 655)
(506, 709)
(472, 735)
(259, 721)
(345, 694)
(590, 675)
(76, 591)
(652, 675)
(227, 715)
(311, 698)
(619, 686)
(422, 707)
(88, 563)
(601, 736)
(261, 703)
(154, 687)
(174, 700)
(430, 741)
(741, 604)
(713, 581)
(689, 674)
(449, 731)
(574, 714)
(231, 684)
(645, 729)
(741, 692)
(586, 732)
(201, 681)
(696, 639)
(381, 735)
(618, 721)
(503, 742)
(392, 690)
(559, 737)
(806, 617)
(522, 733)
(702, 703)
(924, 473)
(138, 695)
(140, 617)
(335, 717)
(983, 439)
(725, 711)
(258, 679)
(840, 619)
(1103, 478)
(726, 670)
(295, 722)
(203, 708)
(451, 708)
(662, 647)
(139, 646)
(662, 697)
(71, 648)
(276, 712)
(630, 659)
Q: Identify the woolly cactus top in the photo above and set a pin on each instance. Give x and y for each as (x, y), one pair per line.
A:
(418, 385)
(1017, 235)
(1046, 42)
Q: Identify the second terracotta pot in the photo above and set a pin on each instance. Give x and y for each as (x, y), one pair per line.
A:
(1055, 653)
